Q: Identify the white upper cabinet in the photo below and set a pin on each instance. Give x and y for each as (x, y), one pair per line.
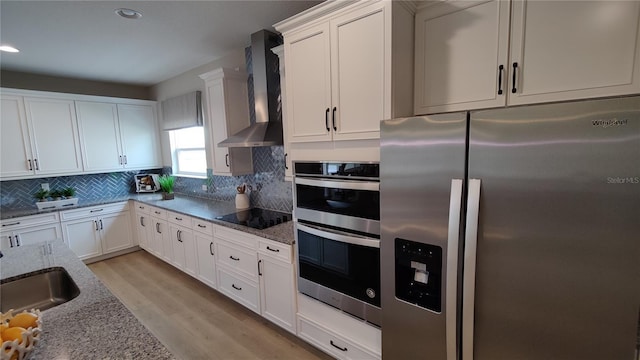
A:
(50, 134)
(347, 69)
(54, 136)
(308, 83)
(118, 136)
(15, 145)
(459, 49)
(99, 136)
(228, 112)
(288, 164)
(574, 49)
(468, 56)
(139, 134)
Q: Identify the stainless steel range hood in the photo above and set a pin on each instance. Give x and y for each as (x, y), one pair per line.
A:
(267, 130)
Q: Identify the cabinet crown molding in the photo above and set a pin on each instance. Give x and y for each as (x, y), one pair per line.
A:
(221, 73)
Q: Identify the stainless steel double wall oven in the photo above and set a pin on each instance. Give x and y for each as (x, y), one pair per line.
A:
(337, 209)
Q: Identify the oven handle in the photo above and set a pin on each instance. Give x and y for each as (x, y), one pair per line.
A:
(340, 184)
(350, 239)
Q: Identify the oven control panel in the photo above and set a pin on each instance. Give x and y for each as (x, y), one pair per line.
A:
(419, 274)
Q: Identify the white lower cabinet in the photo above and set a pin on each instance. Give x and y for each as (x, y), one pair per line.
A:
(336, 333)
(206, 269)
(184, 251)
(240, 289)
(277, 283)
(29, 230)
(142, 223)
(97, 230)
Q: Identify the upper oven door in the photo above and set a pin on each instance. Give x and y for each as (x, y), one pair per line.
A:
(343, 203)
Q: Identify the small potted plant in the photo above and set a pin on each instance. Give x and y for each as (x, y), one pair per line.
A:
(41, 195)
(69, 192)
(55, 194)
(166, 184)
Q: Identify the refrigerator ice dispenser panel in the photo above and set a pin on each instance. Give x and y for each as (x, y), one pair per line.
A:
(419, 273)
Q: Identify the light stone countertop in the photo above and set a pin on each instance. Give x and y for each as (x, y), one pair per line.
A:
(94, 325)
(203, 209)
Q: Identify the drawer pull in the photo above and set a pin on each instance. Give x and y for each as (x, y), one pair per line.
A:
(179, 219)
(141, 207)
(15, 223)
(96, 210)
(338, 347)
(211, 248)
(157, 212)
(202, 226)
(274, 250)
(235, 287)
(233, 258)
(48, 207)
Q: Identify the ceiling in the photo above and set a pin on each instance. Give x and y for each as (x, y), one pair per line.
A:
(87, 40)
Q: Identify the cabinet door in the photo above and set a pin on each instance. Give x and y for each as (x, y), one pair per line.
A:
(155, 236)
(142, 222)
(190, 257)
(15, 145)
(227, 102)
(459, 48)
(83, 237)
(360, 72)
(99, 136)
(574, 49)
(177, 243)
(277, 292)
(140, 138)
(206, 259)
(115, 232)
(163, 238)
(56, 147)
(309, 84)
(36, 234)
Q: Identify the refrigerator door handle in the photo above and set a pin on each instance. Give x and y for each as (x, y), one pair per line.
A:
(455, 204)
(469, 278)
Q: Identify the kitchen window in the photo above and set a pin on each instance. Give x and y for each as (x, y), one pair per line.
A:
(188, 152)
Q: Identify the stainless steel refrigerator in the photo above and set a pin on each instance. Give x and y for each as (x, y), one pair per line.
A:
(512, 233)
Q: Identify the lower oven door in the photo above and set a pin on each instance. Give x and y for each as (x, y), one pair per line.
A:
(340, 269)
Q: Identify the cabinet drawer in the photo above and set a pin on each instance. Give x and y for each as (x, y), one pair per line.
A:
(179, 219)
(240, 260)
(276, 249)
(202, 226)
(158, 212)
(239, 289)
(328, 341)
(237, 237)
(142, 208)
(26, 221)
(94, 211)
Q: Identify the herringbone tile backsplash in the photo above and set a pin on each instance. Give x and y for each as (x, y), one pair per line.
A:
(269, 190)
(17, 194)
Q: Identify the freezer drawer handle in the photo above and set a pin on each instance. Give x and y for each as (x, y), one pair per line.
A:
(469, 278)
(337, 347)
(515, 70)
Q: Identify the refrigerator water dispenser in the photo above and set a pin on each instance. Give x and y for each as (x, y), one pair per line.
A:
(419, 273)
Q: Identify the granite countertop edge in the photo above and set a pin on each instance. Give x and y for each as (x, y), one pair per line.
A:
(199, 208)
(95, 323)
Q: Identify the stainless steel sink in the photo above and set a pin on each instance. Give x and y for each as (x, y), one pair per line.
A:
(41, 289)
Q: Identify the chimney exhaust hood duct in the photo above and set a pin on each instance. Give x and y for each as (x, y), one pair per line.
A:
(267, 130)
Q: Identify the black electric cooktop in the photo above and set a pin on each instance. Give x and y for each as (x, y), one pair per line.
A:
(256, 218)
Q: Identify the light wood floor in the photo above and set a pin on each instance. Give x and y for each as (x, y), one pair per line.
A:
(192, 320)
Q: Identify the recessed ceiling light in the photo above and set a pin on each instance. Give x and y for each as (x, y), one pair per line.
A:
(128, 13)
(8, 48)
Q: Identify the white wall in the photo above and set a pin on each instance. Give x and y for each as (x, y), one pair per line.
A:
(188, 82)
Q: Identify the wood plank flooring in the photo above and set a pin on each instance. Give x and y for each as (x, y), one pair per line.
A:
(192, 320)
